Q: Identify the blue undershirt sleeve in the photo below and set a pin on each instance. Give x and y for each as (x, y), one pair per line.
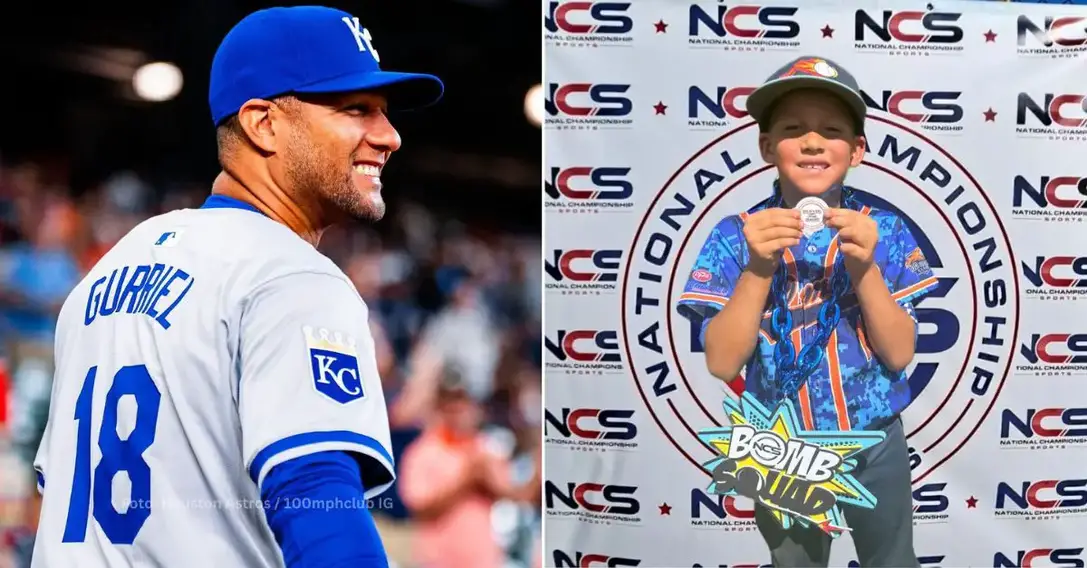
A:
(316, 510)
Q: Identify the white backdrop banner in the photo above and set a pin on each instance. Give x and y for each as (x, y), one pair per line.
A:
(977, 138)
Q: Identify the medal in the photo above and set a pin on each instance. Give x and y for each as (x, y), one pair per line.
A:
(812, 212)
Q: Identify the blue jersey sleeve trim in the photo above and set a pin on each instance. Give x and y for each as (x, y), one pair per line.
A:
(321, 441)
(41, 481)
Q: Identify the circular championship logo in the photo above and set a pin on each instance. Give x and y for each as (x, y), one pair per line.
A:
(967, 330)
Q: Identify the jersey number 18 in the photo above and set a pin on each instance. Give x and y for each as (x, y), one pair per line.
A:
(117, 455)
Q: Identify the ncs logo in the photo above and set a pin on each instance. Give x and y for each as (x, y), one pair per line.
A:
(889, 30)
(1053, 353)
(584, 350)
(1042, 428)
(716, 107)
(1054, 36)
(586, 106)
(588, 186)
(935, 111)
(583, 271)
(587, 99)
(1061, 116)
(1048, 498)
(772, 27)
(1059, 192)
(580, 559)
(591, 428)
(717, 511)
(590, 20)
(1072, 557)
(593, 502)
(1062, 276)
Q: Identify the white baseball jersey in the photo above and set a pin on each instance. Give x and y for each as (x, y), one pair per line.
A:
(208, 346)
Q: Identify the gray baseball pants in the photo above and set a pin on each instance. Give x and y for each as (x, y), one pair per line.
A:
(883, 536)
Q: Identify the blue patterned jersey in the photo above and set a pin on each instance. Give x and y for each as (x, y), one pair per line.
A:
(851, 389)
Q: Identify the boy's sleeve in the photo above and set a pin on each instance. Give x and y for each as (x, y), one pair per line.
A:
(714, 275)
(905, 268)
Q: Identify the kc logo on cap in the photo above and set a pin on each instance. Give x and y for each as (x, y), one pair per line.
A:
(362, 36)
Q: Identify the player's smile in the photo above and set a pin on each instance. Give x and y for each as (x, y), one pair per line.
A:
(368, 173)
(367, 169)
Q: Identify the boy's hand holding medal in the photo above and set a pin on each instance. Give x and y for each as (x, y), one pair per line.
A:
(857, 235)
(768, 233)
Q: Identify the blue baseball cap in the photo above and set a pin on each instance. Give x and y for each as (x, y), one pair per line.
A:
(306, 49)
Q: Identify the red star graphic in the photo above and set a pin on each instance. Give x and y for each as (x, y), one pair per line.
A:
(990, 37)
(990, 115)
(972, 503)
(827, 31)
(665, 508)
(660, 107)
(661, 27)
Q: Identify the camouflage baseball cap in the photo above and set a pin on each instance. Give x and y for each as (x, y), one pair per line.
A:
(807, 72)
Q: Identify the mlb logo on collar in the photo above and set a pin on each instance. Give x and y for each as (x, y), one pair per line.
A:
(335, 364)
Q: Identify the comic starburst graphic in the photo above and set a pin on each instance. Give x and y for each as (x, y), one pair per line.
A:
(783, 423)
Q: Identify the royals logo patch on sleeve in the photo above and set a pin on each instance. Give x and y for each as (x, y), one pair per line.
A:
(334, 363)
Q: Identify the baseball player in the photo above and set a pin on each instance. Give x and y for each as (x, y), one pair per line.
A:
(216, 400)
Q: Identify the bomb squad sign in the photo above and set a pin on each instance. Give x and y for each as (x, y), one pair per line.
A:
(800, 476)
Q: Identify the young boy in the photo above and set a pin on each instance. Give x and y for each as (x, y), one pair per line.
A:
(848, 288)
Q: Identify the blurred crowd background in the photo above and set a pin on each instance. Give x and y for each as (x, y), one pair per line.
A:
(452, 275)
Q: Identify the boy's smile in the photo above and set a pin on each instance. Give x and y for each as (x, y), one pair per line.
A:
(817, 165)
(812, 141)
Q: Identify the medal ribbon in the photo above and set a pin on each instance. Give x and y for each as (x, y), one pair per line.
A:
(793, 370)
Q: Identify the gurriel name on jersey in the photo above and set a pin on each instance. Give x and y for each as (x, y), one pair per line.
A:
(152, 290)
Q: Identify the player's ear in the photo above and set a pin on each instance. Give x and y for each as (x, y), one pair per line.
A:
(255, 120)
(857, 154)
(766, 147)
